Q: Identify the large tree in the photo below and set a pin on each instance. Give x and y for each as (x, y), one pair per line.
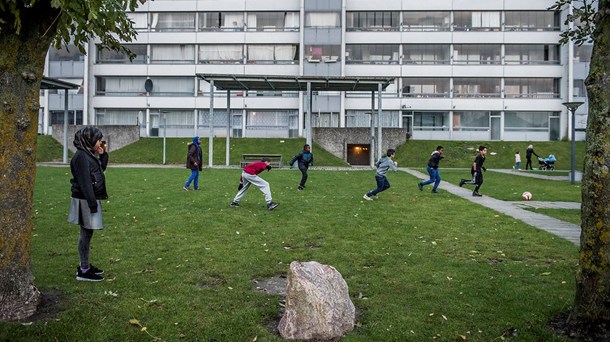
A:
(592, 301)
(27, 29)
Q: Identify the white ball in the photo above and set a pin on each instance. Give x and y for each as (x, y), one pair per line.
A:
(527, 196)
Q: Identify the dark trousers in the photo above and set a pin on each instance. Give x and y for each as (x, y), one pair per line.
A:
(303, 175)
(528, 164)
(382, 185)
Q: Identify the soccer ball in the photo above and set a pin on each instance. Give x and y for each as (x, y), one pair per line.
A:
(527, 196)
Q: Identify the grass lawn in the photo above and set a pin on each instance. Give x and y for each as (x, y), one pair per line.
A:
(419, 266)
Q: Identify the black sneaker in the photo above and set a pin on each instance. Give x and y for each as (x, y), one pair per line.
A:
(462, 181)
(87, 276)
(272, 205)
(434, 191)
(300, 188)
(96, 270)
(234, 205)
(420, 186)
(476, 194)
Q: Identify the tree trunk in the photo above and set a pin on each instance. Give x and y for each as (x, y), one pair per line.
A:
(592, 302)
(22, 58)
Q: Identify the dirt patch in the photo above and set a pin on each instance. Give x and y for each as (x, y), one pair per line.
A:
(210, 282)
(275, 285)
(580, 331)
(48, 307)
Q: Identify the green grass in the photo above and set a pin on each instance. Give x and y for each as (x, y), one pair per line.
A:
(49, 150)
(568, 215)
(420, 267)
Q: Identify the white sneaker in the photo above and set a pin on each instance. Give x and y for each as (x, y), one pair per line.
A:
(367, 197)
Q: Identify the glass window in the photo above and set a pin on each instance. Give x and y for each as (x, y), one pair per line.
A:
(267, 119)
(272, 54)
(476, 21)
(430, 121)
(221, 54)
(220, 117)
(426, 54)
(119, 86)
(105, 55)
(426, 21)
(476, 54)
(583, 53)
(173, 86)
(75, 117)
(425, 87)
(471, 121)
(172, 54)
(531, 54)
(66, 53)
(140, 20)
(476, 87)
(175, 118)
(362, 118)
(526, 121)
(221, 21)
(538, 88)
(580, 90)
(273, 21)
(325, 119)
(322, 19)
(318, 53)
(373, 21)
(129, 117)
(372, 53)
(170, 21)
(531, 21)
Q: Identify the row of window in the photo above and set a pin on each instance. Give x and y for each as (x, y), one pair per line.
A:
(231, 21)
(354, 54)
(280, 119)
(457, 87)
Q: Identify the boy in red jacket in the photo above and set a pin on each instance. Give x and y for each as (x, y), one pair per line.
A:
(250, 176)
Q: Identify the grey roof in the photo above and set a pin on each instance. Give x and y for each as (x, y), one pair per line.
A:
(296, 83)
(53, 83)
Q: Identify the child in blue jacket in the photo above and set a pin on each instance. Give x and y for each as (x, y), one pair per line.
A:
(305, 160)
(384, 164)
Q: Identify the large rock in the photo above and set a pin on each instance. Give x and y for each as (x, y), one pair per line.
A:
(317, 303)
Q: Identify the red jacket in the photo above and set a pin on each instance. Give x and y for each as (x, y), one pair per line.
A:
(255, 168)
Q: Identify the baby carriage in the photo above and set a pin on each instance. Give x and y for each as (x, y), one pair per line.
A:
(547, 163)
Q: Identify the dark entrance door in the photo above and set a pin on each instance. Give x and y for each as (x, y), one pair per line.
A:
(358, 154)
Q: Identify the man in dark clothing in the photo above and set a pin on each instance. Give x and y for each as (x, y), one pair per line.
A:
(432, 169)
(304, 159)
(477, 171)
(194, 161)
(250, 176)
(528, 156)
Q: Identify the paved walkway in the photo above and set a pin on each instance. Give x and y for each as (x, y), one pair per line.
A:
(568, 231)
(550, 176)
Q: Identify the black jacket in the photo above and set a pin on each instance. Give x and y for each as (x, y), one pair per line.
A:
(435, 158)
(88, 180)
(195, 156)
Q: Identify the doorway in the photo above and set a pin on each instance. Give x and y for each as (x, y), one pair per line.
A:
(358, 154)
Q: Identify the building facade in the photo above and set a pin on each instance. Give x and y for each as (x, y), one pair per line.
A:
(464, 70)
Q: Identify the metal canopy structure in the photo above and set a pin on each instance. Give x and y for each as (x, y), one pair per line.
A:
(52, 83)
(308, 84)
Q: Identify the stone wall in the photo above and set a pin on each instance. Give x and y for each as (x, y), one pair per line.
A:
(335, 140)
(115, 136)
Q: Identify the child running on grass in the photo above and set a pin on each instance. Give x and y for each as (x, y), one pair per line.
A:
(250, 176)
(384, 164)
(477, 171)
(432, 168)
(304, 160)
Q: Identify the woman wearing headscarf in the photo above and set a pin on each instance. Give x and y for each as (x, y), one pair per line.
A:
(528, 156)
(88, 188)
(193, 161)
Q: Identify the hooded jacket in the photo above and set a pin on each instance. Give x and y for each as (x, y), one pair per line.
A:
(88, 180)
(435, 158)
(195, 155)
(384, 164)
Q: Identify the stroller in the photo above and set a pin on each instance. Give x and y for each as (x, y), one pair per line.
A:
(547, 163)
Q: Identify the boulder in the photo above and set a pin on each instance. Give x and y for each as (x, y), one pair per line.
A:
(317, 303)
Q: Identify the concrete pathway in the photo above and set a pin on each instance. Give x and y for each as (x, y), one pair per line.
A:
(550, 176)
(568, 231)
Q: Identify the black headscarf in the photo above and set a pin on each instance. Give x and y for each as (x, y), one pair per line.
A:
(86, 138)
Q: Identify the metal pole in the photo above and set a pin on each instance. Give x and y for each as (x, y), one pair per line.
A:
(379, 112)
(211, 117)
(308, 118)
(164, 136)
(65, 157)
(228, 125)
(573, 146)
(372, 147)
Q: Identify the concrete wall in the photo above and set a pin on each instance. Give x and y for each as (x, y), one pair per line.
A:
(335, 140)
(115, 136)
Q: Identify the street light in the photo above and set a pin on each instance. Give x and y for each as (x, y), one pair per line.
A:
(572, 106)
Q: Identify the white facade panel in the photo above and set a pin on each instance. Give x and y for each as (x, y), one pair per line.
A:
(365, 5)
(272, 38)
(534, 105)
(544, 37)
(437, 104)
(417, 5)
(470, 37)
(553, 71)
(224, 5)
(477, 104)
(119, 102)
(271, 5)
(483, 70)
(528, 4)
(426, 37)
(411, 70)
(478, 5)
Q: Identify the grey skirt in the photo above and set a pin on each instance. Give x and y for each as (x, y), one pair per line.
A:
(81, 214)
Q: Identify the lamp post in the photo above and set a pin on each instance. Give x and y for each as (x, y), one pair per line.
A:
(572, 106)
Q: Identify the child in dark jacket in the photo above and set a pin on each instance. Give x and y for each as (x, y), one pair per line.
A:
(88, 188)
(304, 160)
(477, 172)
(194, 161)
(384, 164)
(250, 176)
(432, 168)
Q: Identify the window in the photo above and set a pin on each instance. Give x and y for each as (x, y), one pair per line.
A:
(476, 21)
(373, 21)
(174, 118)
(325, 119)
(319, 53)
(172, 54)
(221, 54)
(168, 21)
(580, 90)
(66, 53)
(430, 121)
(221, 21)
(476, 54)
(531, 54)
(272, 54)
(426, 21)
(75, 117)
(105, 55)
(323, 19)
(425, 87)
(531, 21)
(426, 54)
(140, 20)
(471, 121)
(220, 117)
(362, 118)
(119, 86)
(373, 53)
(537, 88)
(526, 121)
(132, 117)
(273, 21)
(267, 119)
(476, 87)
(583, 53)
(173, 86)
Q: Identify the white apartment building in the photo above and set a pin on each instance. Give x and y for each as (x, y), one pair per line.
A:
(463, 69)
